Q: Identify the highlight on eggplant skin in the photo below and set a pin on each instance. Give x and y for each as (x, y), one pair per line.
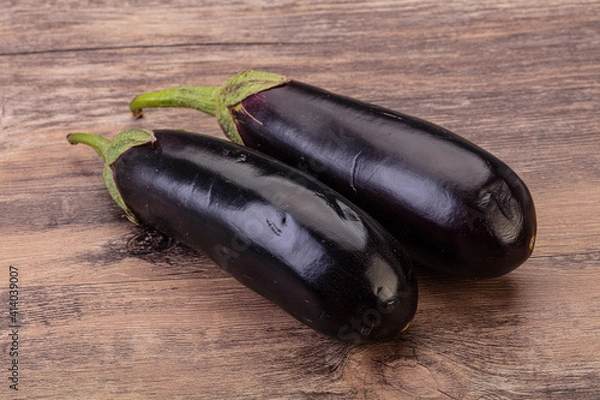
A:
(277, 230)
(453, 206)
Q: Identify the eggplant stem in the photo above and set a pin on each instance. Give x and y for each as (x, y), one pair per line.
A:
(212, 100)
(201, 98)
(98, 143)
(109, 152)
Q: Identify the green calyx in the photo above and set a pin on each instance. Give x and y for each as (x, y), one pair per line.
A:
(110, 152)
(213, 100)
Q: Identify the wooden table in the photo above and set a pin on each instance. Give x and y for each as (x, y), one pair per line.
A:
(107, 310)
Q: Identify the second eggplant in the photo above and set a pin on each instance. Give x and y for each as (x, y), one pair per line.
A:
(455, 207)
(277, 230)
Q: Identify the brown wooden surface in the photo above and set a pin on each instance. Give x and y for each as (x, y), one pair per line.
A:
(108, 310)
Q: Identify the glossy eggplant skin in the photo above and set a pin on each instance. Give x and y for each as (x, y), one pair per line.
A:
(455, 207)
(277, 230)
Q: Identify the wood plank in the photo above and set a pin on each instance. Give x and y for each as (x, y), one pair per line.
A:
(110, 310)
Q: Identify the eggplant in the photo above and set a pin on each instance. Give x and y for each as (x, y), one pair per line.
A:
(277, 230)
(453, 206)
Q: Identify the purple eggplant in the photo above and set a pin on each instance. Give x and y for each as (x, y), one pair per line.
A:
(277, 230)
(455, 207)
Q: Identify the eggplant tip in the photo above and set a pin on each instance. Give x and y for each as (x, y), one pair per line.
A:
(137, 114)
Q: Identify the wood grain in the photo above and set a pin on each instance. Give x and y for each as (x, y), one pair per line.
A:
(108, 310)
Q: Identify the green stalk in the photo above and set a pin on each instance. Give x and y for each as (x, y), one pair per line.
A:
(110, 152)
(96, 142)
(215, 101)
(201, 98)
